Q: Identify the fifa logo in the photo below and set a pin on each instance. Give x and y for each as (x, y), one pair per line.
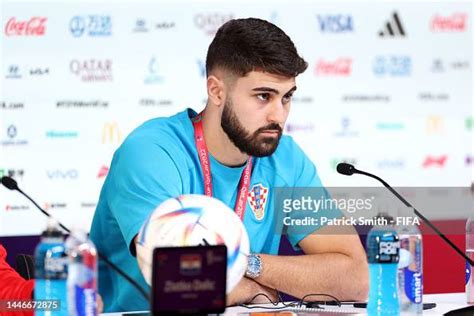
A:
(111, 133)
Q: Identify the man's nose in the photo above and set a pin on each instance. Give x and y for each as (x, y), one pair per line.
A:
(277, 113)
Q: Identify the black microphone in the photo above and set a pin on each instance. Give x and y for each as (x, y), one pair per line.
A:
(348, 170)
(345, 169)
(11, 184)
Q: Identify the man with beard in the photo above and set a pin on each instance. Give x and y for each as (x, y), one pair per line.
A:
(251, 68)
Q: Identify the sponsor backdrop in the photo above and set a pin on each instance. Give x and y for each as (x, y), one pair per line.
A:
(388, 88)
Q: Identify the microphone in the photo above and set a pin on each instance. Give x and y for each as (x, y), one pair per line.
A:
(348, 170)
(11, 184)
(345, 169)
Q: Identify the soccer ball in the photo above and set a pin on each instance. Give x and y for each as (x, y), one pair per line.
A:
(188, 220)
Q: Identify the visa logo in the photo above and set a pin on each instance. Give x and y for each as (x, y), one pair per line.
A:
(335, 23)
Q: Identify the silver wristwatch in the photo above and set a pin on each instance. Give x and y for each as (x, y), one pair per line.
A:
(254, 266)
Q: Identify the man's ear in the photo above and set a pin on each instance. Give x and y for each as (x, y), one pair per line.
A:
(216, 90)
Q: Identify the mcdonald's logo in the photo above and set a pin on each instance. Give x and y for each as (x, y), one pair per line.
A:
(111, 133)
(434, 125)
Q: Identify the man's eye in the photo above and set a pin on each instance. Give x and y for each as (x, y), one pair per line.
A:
(264, 96)
(287, 98)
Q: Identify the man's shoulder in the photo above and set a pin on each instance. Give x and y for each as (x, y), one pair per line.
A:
(162, 128)
(173, 133)
(159, 138)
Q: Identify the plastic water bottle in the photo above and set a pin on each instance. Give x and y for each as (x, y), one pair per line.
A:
(82, 278)
(470, 254)
(51, 270)
(383, 247)
(410, 266)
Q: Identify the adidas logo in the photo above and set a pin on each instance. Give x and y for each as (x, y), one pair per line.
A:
(393, 27)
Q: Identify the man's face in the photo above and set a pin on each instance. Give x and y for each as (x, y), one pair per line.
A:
(255, 112)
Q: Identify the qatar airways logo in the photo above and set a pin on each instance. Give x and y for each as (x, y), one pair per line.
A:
(341, 67)
(209, 23)
(92, 69)
(35, 26)
(456, 22)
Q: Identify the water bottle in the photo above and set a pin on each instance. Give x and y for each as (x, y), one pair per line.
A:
(51, 271)
(470, 254)
(410, 266)
(82, 277)
(383, 248)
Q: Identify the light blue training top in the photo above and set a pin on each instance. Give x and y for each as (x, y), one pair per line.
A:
(159, 160)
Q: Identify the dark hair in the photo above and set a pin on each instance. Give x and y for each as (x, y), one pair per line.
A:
(244, 45)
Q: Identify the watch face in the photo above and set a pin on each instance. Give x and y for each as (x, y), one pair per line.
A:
(254, 266)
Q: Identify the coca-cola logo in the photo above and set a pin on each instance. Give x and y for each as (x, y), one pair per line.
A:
(35, 26)
(339, 67)
(456, 22)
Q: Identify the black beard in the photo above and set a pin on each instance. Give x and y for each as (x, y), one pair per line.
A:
(250, 144)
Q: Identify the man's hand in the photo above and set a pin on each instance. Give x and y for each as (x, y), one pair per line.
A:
(334, 263)
(247, 289)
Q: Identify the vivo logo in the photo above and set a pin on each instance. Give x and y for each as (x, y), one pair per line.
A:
(391, 164)
(62, 174)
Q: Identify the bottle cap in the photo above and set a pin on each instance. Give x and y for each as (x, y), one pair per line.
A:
(52, 229)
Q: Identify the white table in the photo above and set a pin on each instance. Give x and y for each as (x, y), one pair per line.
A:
(445, 303)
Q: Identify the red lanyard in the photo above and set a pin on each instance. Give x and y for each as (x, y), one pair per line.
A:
(203, 154)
